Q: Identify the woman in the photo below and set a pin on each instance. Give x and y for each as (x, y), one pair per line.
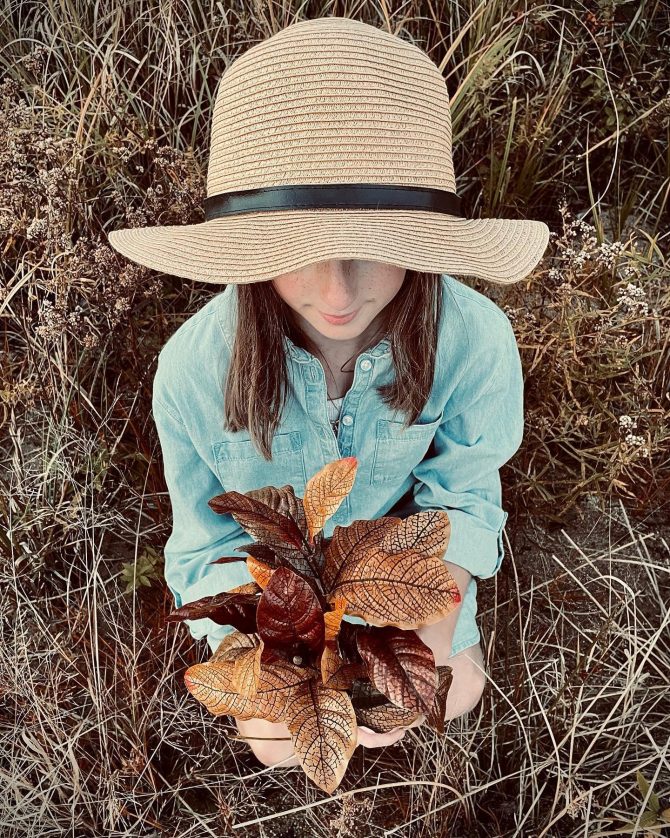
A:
(316, 208)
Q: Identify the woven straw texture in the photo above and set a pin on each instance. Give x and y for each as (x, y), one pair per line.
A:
(324, 101)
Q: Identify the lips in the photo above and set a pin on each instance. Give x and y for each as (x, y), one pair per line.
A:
(339, 318)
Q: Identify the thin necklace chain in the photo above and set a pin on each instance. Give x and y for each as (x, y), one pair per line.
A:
(347, 361)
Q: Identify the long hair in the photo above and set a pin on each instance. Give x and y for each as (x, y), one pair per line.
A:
(257, 379)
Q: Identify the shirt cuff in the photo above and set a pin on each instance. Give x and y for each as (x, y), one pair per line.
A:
(473, 545)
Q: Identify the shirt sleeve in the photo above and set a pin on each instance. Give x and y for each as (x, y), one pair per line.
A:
(199, 535)
(460, 472)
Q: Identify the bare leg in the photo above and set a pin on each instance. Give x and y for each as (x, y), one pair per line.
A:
(268, 751)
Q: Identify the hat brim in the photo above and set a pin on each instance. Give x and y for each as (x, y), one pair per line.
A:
(258, 246)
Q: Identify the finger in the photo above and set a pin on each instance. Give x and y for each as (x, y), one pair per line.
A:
(369, 739)
(416, 723)
(388, 737)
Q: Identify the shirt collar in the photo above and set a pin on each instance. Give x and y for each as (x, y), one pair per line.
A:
(302, 356)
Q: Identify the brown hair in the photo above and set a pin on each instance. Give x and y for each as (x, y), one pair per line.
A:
(256, 385)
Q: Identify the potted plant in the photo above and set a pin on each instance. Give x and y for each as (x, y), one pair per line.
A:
(292, 658)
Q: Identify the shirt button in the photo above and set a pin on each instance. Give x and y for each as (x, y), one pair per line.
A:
(347, 420)
(365, 365)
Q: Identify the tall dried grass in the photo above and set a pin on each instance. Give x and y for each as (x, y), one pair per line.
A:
(560, 112)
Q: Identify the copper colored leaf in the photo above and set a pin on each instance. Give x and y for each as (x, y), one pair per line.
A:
(289, 614)
(376, 711)
(277, 681)
(401, 666)
(212, 685)
(336, 672)
(331, 661)
(386, 717)
(324, 731)
(347, 542)
(258, 519)
(435, 718)
(326, 490)
(405, 589)
(426, 532)
(247, 671)
(231, 645)
(225, 608)
(393, 562)
(246, 588)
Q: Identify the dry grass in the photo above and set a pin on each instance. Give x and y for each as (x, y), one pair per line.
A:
(100, 736)
(559, 113)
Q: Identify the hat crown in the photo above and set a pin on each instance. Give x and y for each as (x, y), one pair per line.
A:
(331, 100)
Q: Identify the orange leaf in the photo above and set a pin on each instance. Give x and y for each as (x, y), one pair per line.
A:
(391, 571)
(261, 571)
(323, 728)
(326, 490)
(212, 685)
(232, 643)
(405, 590)
(337, 673)
(247, 671)
(333, 619)
(349, 541)
(245, 588)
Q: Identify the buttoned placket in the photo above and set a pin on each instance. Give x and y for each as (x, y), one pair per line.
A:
(336, 446)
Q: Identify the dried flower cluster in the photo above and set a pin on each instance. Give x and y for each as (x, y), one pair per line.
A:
(628, 424)
(77, 285)
(591, 333)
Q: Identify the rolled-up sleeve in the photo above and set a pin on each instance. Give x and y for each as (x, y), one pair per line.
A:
(460, 473)
(199, 535)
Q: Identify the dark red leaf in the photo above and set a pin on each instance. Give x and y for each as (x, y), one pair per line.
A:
(401, 666)
(258, 551)
(289, 615)
(258, 519)
(435, 718)
(227, 560)
(347, 641)
(238, 610)
(365, 695)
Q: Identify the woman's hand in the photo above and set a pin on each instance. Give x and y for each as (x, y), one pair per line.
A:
(370, 739)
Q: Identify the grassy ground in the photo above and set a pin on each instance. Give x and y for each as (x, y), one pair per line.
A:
(560, 113)
(100, 736)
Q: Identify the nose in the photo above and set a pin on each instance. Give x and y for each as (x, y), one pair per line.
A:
(339, 289)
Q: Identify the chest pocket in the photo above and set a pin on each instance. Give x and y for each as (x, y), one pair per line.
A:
(241, 467)
(398, 450)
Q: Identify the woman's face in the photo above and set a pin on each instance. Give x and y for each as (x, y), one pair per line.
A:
(338, 287)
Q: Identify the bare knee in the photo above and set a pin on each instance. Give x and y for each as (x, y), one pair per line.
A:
(266, 750)
(468, 682)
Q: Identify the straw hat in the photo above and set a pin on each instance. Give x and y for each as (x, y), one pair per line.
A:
(332, 139)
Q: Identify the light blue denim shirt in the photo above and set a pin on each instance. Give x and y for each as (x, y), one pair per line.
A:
(449, 459)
